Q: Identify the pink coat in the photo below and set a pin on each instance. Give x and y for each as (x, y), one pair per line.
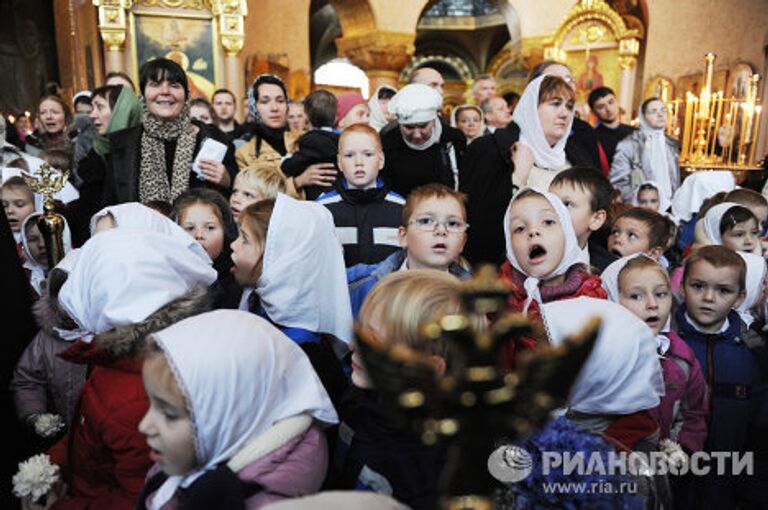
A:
(682, 413)
(295, 469)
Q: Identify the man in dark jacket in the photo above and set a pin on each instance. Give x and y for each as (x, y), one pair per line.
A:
(610, 131)
(422, 150)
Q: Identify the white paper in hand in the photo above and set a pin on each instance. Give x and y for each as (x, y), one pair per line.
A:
(212, 150)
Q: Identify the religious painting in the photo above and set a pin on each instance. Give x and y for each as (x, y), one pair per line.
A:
(592, 53)
(187, 41)
(738, 81)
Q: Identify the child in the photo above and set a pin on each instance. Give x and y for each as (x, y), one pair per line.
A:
(432, 235)
(751, 309)
(352, 109)
(648, 198)
(373, 454)
(587, 196)
(288, 258)
(269, 447)
(641, 285)
(639, 230)
(733, 226)
(125, 285)
(35, 253)
(621, 381)
(254, 184)
(18, 202)
(753, 201)
(204, 214)
(365, 212)
(713, 286)
(318, 145)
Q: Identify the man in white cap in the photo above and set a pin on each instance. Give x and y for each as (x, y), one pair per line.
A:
(422, 150)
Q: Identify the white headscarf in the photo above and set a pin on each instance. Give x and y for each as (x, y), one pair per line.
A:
(377, 120)
(136, 216)
(526, 116)
(455, 121)
(754, 282)
(125, 275)
(664, 200)
(253, 377)
(622, 374)
(698, 187)
(656, 145)
(303, 283)
(38, 271)
(571, 253)
(713, 218)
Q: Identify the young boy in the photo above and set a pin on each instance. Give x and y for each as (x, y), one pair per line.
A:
(640, 230)
(365, 212)
(587, 194)
(713, 286)
(18, 201)
(255, 184)
(318, 146)
(432, 235)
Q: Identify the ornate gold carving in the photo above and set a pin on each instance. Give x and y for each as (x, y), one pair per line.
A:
(377, 50)
(176, 4)
(355, 16)
(112, 22)
(627, 61)
(455, 62)
(231, 14)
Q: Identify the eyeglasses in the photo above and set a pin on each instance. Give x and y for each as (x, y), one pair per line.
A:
(429, 224)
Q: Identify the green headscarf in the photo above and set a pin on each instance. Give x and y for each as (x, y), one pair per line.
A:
(125, 114)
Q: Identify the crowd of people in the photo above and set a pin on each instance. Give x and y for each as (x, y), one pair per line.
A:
(194, 348)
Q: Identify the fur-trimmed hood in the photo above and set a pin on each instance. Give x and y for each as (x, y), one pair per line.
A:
(129, 339)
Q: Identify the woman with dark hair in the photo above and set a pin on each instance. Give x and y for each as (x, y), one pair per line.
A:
(53, 117)
(153, 161)
(270, 139)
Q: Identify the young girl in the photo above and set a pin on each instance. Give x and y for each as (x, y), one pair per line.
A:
(205, 215)
(641, 285)
(242, 429)
(733, 226)
(751, 309)
(125, 285)
(373, 453)
(648, 197)
(291, 263)
(35, 253)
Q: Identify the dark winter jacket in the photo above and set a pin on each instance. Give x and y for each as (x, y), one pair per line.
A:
(406, 168)
(104, 458)
(362, 277)
(732, 372)
(121, 182)
(315, 146)
(486, 179)
(372, 455)
(366, 221)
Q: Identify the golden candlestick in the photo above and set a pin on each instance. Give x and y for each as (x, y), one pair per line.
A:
(719, 133)
(47, 180)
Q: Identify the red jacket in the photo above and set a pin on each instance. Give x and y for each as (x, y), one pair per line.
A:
(104, 458)
(578, 282)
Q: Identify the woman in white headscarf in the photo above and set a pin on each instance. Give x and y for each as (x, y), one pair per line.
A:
(544, 115)
(270, 446)
(378, 104)
(647, 154)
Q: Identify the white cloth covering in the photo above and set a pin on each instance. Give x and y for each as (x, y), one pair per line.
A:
(377, 120)
(526, 116)
(754, 283)
(136, 216)
(696, 188)
(656, 145)
(572, 254)
(253, 375)
(303, 283)
(713, 218)
(38, 271)
(622, 374)
(125, 275)
(415, 104)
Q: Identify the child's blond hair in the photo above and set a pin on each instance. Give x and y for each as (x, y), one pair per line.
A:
(18, 184)
(407, 301)
(266, 180)
(642, 263)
